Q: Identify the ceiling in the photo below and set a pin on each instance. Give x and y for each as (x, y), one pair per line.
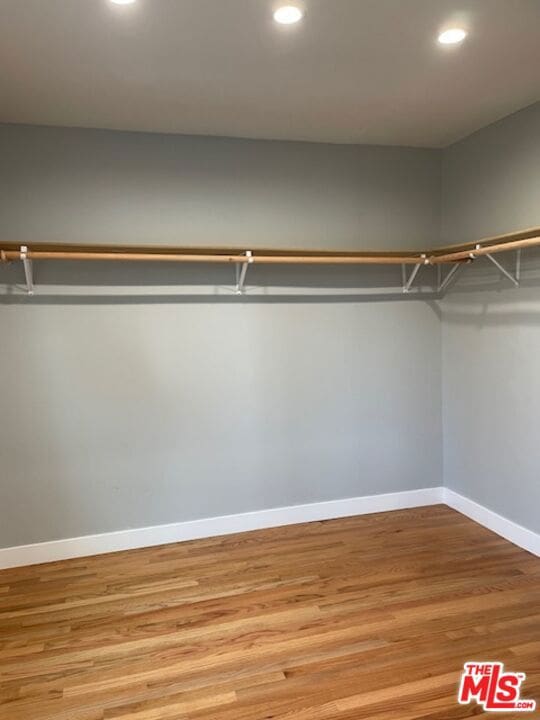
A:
(354, 71)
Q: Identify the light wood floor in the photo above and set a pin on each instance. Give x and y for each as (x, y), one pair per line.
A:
(367, 617)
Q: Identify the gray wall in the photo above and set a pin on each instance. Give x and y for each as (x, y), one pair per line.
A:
(95, 186)
(491, 336)
(491, 400)
(117, 416)
(119, 413)
(491, 180)
(122, 413)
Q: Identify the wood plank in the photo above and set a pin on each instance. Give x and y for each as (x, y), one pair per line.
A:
(363, 617)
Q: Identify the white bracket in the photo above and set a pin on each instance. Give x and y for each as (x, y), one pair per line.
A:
(241, 272)
(407, 282)
(450, 275)
(472, 255)
(27, 264)
(515, 279)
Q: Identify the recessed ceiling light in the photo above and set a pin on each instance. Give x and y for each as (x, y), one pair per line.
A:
(122, 2)
(288, 14)
(452, 36)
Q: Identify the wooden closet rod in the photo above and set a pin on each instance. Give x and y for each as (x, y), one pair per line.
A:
(449, 254)
(369, 259)
(479, 249)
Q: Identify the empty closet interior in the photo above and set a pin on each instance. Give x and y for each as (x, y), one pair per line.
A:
(270, 339)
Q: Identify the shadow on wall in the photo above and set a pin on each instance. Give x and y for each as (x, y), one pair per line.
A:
(486, 315)
(483, 297)
(97, 282)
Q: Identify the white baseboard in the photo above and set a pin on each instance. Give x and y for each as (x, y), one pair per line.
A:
(211, 527)
(260, 519)
(526, 539)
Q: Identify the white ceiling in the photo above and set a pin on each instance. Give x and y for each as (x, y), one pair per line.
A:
(354, 71)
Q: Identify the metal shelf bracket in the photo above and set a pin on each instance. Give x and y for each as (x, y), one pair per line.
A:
(407, 282)
(28, 270)
(450, 275)
(242, 271)
(513, 278)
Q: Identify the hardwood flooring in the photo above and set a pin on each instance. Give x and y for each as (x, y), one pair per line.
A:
(366, 617)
